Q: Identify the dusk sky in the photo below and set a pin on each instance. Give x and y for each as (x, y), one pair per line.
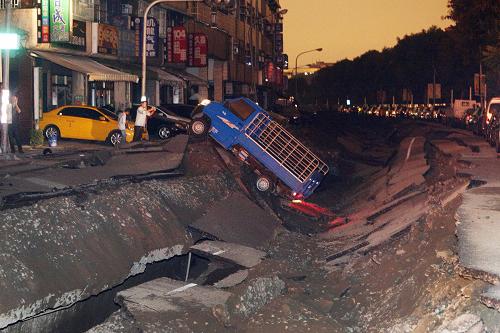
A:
(348, 28)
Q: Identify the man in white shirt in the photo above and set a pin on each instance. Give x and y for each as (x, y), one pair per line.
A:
(141, 117)
(122, 125)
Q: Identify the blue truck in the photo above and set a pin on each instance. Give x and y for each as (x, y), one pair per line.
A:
(280, 160)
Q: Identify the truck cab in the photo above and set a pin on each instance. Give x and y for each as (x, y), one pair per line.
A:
(277, 157)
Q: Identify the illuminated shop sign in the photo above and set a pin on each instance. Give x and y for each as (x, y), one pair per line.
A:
(197, 50)
(59, 20)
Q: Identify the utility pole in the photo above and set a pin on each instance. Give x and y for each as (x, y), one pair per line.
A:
(434, 86)
(144, 28)
(5, 81)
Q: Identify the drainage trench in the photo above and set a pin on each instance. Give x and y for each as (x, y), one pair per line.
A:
(91, 312)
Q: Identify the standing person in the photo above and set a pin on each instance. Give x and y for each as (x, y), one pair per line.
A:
(140, 119)
(122, 125)
(14, 112)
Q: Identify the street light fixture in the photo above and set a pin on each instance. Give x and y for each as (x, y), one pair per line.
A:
(319, 49)
(144, 28)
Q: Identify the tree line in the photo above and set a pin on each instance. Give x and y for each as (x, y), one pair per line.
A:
(451, 57)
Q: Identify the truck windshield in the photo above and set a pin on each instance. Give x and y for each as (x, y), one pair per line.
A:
(240, 108)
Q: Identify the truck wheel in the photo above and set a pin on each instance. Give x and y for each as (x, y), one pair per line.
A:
(264, 183)
(199, 127)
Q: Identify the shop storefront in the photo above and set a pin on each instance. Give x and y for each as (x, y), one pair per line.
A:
(196, 87)
(70, 79)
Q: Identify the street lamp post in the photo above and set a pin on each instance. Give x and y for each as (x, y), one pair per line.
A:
(4, 139)
(319, 49)
(144, 27)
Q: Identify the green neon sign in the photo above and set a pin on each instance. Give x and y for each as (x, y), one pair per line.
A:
(59, 20)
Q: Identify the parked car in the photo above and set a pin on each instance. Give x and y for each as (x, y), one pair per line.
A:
(473, 120)
(180, 114)
(158, 125)
(83, 122)
(280, 160)
(493, 123)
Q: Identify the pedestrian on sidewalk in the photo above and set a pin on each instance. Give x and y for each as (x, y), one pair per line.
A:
(122, 125)
(143, 111)
(14, 112)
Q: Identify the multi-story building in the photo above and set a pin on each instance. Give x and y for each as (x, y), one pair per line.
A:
(88, 52)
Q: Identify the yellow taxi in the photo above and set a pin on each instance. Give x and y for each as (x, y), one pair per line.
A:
(84, 122)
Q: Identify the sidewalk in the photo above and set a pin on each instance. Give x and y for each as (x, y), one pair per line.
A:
(478, 217)
(74, 164)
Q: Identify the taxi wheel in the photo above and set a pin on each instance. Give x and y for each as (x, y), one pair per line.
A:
(199, 127)
(164, 132)
(114, 138)
(51, 131)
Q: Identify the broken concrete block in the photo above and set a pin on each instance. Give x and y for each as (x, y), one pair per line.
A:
(232, 280)
(257, 294)
(166, 305)
(491, 298)
(241, 255)
(238, 220)
(466, 323)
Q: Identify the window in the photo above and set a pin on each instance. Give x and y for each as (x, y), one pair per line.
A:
(71, 112)
(13, 3)
(108, 113)
(240, 108)
(91, 114)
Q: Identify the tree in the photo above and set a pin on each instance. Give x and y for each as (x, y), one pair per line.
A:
(477, 31)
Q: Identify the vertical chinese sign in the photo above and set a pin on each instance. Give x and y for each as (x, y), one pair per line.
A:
(44, 36)
(60, 23)
(152, 33)
(176, 45)
(197, 50)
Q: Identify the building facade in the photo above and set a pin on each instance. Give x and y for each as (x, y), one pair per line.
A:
(89, 52)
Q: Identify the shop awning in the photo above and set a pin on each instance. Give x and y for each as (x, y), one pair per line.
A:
(165, 76)
(94, 70)
(191, 78)
(153, 73)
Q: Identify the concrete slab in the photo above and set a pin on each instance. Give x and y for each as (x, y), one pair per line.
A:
(232, 280)
(64, 250)
(236, 219)
(168, 305)
(478, 230)
(478, 221)
(491, 297)
(241, 255)
(75, 169)
(450, 147)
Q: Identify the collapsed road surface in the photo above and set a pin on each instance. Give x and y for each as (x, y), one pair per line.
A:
(184, 242)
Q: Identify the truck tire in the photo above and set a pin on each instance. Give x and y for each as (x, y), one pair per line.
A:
(264, 183)
(199, 127)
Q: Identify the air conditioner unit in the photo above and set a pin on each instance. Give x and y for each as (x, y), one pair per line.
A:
(127, 9)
